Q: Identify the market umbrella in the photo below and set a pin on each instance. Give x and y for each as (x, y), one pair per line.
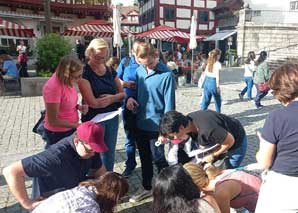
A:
(193, 41)
(9, 28)
(117, 40)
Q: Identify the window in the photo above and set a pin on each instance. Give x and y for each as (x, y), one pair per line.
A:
(169, 13)
(256, 13)
(203, 16)
(294, 5)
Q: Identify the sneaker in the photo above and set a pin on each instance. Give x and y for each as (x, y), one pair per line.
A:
(141, 194)
(240, 96)
(127, 172)
(259, 106)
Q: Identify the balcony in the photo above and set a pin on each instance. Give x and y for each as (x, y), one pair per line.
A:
(86, 7)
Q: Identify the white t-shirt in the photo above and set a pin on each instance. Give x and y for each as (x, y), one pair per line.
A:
(215, 70)
(249, 69)
(21, 49)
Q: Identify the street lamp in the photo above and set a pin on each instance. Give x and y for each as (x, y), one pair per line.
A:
(230, 42)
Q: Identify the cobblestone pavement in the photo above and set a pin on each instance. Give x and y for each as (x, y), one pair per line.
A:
(18, 115)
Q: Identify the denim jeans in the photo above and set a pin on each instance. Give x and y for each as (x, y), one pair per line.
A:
(129, 123)
(249, 84)
(150, 153)
(51, 137)
(110, 138)
(236, 156)
(259, 96)
(209, 91)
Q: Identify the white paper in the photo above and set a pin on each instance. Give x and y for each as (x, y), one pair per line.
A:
(106, 116)
(200, 151)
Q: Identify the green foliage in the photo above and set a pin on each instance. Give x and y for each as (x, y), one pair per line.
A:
(44, 73)
(50, 48)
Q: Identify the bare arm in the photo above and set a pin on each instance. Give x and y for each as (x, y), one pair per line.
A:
(225, 192)
(266, 153)
(15, 178)
(120, 94)
(52, 113)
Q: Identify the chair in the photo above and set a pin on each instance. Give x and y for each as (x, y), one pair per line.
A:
(10, 83)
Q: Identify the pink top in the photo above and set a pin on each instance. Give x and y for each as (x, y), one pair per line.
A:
(56, 92)
(250, 186)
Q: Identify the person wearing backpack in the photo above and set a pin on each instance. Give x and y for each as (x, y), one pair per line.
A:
(126, 72)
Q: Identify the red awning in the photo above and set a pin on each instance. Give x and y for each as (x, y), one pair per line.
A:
(98, 28)
(12, 29)
(166, 33)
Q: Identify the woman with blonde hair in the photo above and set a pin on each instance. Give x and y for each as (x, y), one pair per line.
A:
(211, 84)
(231, 188)
(94, 195)
(101, 89)
(61, 98)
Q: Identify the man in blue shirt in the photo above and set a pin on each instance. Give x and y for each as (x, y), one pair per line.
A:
(62, 166)
(9, 67)
(155, 97)
(127, 74)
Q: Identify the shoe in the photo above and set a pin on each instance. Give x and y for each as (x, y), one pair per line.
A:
(240, 96)
(127, 172)
(259, 106)
(141, 194)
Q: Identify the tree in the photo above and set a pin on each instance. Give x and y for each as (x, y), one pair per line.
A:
(47, 14)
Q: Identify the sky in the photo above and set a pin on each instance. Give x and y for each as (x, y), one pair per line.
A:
(124, 2)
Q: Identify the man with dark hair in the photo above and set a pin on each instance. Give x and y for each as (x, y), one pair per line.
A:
(207, 128)
(60, 167)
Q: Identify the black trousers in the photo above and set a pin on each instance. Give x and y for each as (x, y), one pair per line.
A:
(149, 154)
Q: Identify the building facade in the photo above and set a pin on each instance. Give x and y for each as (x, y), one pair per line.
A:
(130, 17)
(178, 13)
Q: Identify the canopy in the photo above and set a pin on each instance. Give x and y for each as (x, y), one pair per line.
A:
(221, 35)
(12, 29)
(166, 33)
(98, 28)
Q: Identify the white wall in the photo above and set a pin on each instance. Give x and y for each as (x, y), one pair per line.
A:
(211, 4)
(269, 4)
(184, 2)
(167, 1)
(183, 13)
(199, 3)
(183, 24)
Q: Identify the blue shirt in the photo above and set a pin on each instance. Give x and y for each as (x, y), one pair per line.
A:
(128, 74)
(281, 129)
(59, 167)
(101, 85)
(11, 68)
(155, 96)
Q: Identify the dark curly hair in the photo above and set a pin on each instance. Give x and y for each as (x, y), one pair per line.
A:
(284, 83)
(171, 122)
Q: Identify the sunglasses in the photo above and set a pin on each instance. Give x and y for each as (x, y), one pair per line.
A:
(87, 150)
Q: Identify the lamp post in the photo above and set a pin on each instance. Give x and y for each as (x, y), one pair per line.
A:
(230, 42)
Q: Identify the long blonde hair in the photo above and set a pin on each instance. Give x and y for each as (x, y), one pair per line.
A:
(213, 55)
(66, 67)
(97, 43)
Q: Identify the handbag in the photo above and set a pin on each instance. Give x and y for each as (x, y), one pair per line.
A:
(263, 87)
(39, 122)
(202, 80)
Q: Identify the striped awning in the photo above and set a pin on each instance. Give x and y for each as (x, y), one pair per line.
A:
(166, 33)
(9, 28)
(96, 28)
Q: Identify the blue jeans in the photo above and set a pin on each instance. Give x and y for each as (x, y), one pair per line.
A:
(236, 156)
(259, 96)
(209, 91)
(51, 137)
(110, 138)
(249, 84)
(129, 123)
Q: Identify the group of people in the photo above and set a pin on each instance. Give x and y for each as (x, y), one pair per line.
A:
(75, 171)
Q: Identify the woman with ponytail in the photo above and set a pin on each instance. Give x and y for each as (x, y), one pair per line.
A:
(60, 98)
(211, 84)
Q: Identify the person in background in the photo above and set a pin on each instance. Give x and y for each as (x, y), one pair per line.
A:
(231, 188)
(60, 167)
(95, 195)
(101, 89)
(175, 191)
(262, 75)
(127, 74)
(155, 96)
(278, 145)
(22, 59)
(113, 62)
(171, 64)
(212, 79)
(61, 101)
(249, 70)
(8, 69)
(80, 50)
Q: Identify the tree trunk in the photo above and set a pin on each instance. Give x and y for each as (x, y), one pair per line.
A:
(47, 14)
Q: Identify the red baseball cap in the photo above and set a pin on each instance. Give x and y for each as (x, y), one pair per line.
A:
(93, 134)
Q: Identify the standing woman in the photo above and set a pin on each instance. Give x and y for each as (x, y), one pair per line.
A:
(101, 89)
(60, 98)
(211, 84)
(278, 150)
(250, 69)
(262, 76)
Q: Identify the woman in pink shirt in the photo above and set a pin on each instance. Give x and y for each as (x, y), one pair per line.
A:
(60, 98)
